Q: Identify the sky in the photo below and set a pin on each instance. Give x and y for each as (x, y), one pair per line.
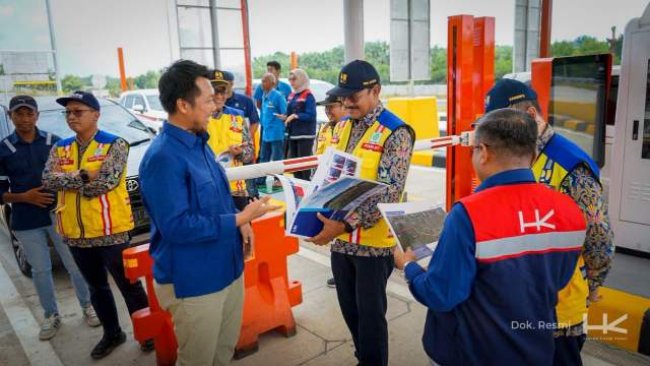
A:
(89, 32)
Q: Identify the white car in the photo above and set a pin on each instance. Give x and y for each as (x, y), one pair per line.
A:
(144, 103)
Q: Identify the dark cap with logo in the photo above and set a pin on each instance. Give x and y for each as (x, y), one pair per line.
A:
(81, 97)
(507, 92)
(329, 100)
(20, 101)
(355, 76)
(218, 77)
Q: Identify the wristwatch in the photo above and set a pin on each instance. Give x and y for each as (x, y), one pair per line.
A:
(348, 227)
(85, 178)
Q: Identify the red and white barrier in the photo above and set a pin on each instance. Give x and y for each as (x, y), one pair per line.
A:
(310, 162)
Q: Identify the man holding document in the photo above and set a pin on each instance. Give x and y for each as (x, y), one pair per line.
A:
(362, 258)
(504, 253)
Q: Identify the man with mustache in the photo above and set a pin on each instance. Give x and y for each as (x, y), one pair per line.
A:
(362, 251)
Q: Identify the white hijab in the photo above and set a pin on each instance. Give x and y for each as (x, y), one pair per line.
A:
(302, 80)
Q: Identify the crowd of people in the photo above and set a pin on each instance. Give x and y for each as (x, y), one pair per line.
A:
(489, 273)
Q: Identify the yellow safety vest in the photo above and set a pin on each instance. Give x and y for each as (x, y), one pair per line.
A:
(369, 149)
(80, 217)
(324, 138)
(551, 167)
(224, 131)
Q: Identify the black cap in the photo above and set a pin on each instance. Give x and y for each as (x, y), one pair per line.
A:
(329, 100)
(355, 76)
(507, 92)
(218, 77)
(20, 101)
(81, 97)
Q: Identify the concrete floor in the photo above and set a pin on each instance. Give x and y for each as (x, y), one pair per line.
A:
(322, 337)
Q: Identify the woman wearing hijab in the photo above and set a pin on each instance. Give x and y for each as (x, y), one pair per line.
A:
(300, 119)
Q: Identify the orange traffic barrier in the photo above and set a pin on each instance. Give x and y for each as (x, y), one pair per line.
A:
(268, 295)
(152, 322)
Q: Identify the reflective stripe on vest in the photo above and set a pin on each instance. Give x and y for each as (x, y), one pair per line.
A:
(369, 150)
(225, 131)
(78, 216)
(572, 300)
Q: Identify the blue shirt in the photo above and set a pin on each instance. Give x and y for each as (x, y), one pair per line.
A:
(246, 105)
(195, 243)
(282, 87)
(21, 169)
(273, 102)
(470, 318)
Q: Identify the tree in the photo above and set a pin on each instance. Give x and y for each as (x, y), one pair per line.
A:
(72, 83)
(148, 80)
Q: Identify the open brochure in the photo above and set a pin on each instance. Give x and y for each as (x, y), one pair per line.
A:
(416, 225)
(333, 164)
(335, 191)
(335, 201)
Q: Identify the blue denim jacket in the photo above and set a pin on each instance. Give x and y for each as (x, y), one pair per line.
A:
(195, 243)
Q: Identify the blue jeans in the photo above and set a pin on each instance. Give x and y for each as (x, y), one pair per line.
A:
(271, 151)
(37, 252)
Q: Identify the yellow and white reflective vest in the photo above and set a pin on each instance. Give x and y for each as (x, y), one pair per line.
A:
(559, 158)
(225, 131)
(324, 137)
(369, 149)
(80, 217)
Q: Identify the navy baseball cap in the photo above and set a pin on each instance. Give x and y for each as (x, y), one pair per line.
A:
(355, 76)
(228, 76)
(20, 101)
(507, 92)
(329, 100)
(81, 97)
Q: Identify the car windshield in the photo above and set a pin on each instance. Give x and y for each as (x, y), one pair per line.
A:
(113, 119)
(154, 102)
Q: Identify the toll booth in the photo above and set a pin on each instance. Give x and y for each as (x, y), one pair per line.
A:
(470, 75)
(629, 191)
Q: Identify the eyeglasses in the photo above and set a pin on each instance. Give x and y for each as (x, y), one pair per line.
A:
(356, 96)
(292, 78)
(75, 112)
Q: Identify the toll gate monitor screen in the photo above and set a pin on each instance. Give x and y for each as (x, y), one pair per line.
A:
(577, 106)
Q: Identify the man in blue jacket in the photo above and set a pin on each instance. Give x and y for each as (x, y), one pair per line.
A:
(504, 253)
(196, 231)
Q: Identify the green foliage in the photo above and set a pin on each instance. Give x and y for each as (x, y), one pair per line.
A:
(71, 83)
(148, 80)
(585, 45)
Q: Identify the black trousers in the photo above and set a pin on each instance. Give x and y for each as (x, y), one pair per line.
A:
(95, 263)
(361, 291)
(240, 202)
(567, 350)
(298, 149)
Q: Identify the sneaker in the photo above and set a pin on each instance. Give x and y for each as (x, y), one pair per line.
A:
(147, 346)
(49, 327)
(331, 283)
(91, 317)
(107, 344)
